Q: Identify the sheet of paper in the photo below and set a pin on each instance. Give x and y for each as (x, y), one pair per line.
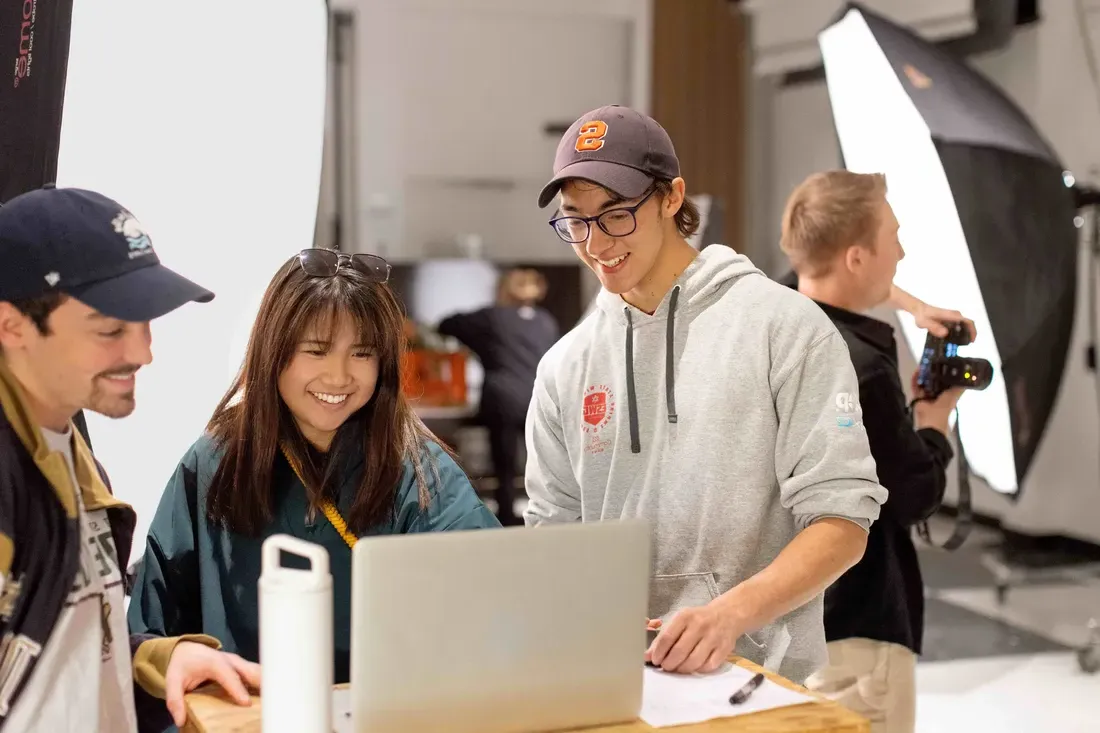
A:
(341, 711)
(675, 699)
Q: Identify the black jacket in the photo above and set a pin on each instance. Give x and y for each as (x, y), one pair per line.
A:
(40, 553)
(509, 342)
(882, 596)
(40, 535)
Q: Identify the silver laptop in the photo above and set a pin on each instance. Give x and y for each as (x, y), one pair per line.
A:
(499, 631)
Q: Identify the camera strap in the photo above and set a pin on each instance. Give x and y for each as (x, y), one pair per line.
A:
(964, 518)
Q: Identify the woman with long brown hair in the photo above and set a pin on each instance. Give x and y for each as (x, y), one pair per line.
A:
(313, 439)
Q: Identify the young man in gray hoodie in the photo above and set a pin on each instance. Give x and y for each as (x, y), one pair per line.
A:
(700, 395)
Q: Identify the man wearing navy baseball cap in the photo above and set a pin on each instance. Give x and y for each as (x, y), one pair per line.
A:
(79, 283)
(706, 398)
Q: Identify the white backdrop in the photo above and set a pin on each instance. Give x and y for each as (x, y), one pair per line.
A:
(206, 119)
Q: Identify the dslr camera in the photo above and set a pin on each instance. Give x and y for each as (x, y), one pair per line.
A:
(941, 367)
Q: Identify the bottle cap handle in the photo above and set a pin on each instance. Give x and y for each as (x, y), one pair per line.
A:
(317, 555)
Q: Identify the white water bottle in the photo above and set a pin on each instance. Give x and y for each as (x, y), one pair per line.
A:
(295, 639)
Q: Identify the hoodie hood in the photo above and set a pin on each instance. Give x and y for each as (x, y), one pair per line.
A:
(702, 282)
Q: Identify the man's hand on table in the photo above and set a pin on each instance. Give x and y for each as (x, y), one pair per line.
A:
(192, 665)
(697, 639)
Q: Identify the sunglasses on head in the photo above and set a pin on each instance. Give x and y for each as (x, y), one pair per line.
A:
(327, 262)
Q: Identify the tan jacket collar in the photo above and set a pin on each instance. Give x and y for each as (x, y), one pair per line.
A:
(13, 401)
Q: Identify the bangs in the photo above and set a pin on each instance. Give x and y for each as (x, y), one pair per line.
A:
(336, 303)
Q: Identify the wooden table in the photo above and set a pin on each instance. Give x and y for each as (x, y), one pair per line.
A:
(209, 711)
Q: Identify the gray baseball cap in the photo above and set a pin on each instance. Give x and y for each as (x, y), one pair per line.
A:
(615, 147)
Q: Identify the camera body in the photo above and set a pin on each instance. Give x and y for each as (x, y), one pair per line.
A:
(941, 367)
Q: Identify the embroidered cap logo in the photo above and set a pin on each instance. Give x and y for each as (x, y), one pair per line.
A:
(129, 227)
(591, 135)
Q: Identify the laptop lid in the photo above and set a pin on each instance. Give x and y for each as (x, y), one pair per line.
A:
(499, 630)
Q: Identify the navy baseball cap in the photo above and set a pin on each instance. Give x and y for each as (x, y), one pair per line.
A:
(615, 147)
(89, 247)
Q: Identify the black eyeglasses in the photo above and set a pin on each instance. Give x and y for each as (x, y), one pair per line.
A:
(614, 223)
(327, 262)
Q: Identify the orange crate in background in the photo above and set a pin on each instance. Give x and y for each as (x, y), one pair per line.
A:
(435, 378)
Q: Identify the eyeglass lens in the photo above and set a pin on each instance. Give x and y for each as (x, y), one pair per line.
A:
(614, 223)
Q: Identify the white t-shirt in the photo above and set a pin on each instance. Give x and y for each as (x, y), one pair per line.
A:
(84, 673)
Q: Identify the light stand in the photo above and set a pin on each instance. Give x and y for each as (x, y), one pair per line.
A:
(1088, 204)
(1012, 567)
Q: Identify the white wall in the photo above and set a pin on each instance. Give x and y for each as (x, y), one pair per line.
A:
(453, 98)
(1045, 69)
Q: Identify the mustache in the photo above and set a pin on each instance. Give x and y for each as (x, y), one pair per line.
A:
(128, 371)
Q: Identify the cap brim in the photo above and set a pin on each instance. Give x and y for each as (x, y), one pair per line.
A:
(622, 179)
(141, 295)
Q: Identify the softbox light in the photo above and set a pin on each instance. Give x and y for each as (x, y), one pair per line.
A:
(986, 221)
(206, 119)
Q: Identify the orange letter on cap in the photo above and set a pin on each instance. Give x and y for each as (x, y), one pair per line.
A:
(591, 136)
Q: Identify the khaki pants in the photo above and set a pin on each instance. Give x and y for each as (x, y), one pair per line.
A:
(876, 679)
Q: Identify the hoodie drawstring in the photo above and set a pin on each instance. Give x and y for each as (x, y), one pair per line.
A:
(670, 345)
(631, 400)
(670, 378)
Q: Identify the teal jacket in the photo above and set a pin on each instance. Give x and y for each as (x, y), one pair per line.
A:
(197, 577)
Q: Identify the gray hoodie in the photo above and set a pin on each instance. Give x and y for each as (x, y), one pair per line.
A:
(729, 419)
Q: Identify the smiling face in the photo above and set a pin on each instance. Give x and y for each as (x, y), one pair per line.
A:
(331, 375)
(84, 360)
(322, 370)
(621, 263)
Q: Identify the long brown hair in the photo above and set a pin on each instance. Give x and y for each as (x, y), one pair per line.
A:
(251, 421)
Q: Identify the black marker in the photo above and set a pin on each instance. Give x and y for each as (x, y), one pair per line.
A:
(743, 694)
(650, 636)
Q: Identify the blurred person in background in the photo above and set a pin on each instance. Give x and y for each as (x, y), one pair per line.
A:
(700, 396)
(841, 237)
(79, 284)
(508, 338)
